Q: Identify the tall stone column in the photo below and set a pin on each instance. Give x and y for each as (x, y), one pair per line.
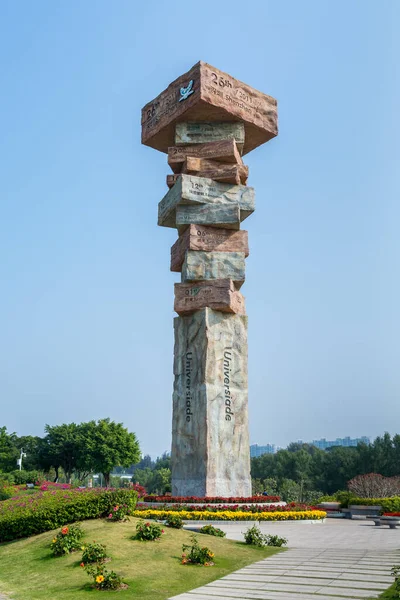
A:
(206, 121)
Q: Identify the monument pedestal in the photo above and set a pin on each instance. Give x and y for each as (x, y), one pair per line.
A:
(210, 440)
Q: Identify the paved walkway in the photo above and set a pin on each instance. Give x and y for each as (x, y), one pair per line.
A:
(335, 560)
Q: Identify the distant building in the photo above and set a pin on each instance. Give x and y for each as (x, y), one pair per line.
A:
(346, 442)
(256, 450)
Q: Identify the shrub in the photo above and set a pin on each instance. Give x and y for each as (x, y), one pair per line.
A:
(24, 477)
(141, 491)
(6, 492)
(327, 499)
(254, 536)
(119, 512)
(174, 520)
(275, 540)
(148, 531)
(196, 555)
(387, 504)
(44, 511)
(94, 553)
(396, 574)
(103, 579)
(67, 540)
(211, 530)
(374, 485)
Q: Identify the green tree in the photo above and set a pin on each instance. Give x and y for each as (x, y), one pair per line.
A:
(61, 447)
(8, 450)
(108, 444)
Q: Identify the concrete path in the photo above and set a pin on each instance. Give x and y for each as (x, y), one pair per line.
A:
(335, 560)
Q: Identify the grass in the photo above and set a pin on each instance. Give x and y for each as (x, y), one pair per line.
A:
(152, 570)
(389, 594)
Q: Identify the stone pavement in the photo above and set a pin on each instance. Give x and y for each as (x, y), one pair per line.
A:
(335, 560)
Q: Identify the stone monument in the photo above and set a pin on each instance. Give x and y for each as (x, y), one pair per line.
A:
(206, 121)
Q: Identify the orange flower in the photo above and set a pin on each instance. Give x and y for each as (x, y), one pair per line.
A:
(64, 530)
(82, 564)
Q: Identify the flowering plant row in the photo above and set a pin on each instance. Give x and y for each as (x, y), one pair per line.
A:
(228, 515)
(255, 508)
(212, 499)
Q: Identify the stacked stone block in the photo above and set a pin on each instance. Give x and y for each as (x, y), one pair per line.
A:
(205, 121)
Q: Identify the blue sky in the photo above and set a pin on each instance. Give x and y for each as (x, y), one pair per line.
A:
(86, 302)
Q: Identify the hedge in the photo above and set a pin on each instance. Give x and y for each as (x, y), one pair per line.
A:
(49, 510)
(388, 504)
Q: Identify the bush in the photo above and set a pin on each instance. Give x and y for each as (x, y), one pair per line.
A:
(67, 540)
(23, 477)
(374, 485)
(254, 537)
(388, 504)
(196, 555)
(148, 531)
(49, 510)
(103, 579)
(275, 540)
(211, 530)
(119, 512)
(174, 520)
(7, 492)
(94, 553)
(396, 574)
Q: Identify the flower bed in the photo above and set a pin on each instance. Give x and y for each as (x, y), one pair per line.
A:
(254, 508)
(43, 511)
(211, 499)
(230, 515)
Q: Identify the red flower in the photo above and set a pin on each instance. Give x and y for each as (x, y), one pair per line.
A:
(64, 530)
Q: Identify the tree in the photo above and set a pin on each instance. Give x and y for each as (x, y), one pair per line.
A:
(62, 447)
(8, 450)
(108, 444)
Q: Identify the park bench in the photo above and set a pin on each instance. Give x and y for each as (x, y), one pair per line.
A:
(393, 522)
(359, 510)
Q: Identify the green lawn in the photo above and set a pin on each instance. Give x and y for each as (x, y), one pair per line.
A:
(390, 594)
(151, 569)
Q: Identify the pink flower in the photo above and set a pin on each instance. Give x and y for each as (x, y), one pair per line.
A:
(110, 516)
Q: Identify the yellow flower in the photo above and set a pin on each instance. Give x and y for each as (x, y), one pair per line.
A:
(54, 540)
(83, 547)
(99, 579)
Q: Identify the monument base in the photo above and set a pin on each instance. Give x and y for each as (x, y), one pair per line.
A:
(210, 449)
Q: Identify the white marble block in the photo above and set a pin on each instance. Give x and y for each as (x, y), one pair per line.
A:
(210, 440)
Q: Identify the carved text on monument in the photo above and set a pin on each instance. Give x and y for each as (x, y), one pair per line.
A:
(188, 374)
(227, 381)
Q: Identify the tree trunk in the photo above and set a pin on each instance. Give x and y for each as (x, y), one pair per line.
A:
(56, 477)
(107, 479)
